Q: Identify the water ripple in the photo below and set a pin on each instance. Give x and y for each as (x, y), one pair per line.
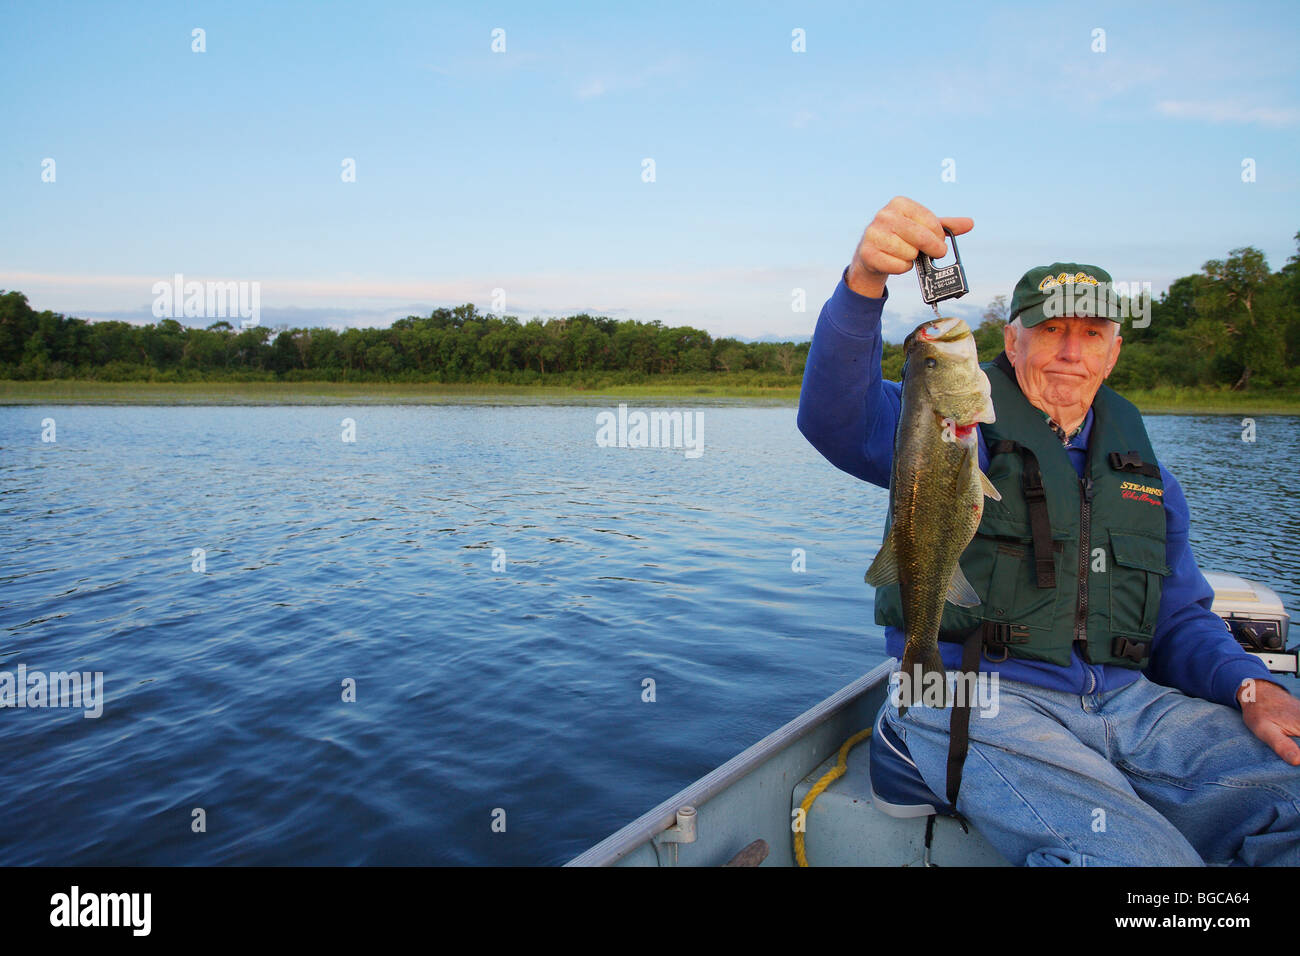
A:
(485, 679)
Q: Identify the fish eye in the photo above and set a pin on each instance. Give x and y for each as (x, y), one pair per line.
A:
(930, 363)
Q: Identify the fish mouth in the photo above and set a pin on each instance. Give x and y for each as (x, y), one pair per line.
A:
(944, 330)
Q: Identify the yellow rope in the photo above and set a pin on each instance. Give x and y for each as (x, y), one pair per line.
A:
(840, 768)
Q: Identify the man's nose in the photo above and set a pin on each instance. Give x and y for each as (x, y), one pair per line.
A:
(1071, 349)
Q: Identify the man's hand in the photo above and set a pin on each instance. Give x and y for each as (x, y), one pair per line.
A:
(890, 244)
(1272, 715)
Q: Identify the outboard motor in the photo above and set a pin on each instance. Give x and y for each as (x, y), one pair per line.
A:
(1255, 616)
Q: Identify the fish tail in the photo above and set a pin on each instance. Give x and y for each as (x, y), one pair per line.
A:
(918, 664)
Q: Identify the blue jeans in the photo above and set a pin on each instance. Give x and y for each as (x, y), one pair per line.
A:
(1139, 776)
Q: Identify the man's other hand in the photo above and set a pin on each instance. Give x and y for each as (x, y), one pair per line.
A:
(890, 244)
(1273, 715)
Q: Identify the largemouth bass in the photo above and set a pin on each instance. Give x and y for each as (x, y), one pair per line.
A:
(936, 491)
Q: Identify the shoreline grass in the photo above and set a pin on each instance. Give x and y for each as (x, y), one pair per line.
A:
(1171, 400)
(1183, 400)
(83, 392)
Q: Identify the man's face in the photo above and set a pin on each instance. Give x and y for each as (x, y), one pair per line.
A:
(1061, 363)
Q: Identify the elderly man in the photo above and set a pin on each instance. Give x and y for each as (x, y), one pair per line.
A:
(1131, 728)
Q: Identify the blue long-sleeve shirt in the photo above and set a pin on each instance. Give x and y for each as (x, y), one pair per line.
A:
(849, 414)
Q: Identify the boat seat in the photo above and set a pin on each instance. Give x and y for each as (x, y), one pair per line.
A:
(897, 787)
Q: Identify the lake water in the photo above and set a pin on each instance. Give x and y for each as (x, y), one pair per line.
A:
(478, 689)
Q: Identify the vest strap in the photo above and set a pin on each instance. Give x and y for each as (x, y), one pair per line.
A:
(1040, 522)
(959, 722)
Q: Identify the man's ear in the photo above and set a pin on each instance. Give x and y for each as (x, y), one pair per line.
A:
(1114, 355)
(1009, 341)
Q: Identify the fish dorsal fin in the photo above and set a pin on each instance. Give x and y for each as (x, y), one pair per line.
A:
(960, 592)
(884, 570)
(989, 490)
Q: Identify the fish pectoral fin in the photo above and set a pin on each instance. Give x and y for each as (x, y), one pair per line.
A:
(960, 592)
(989, 490)
(884, 569)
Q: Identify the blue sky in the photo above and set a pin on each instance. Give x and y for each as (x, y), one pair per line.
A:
(522, 170)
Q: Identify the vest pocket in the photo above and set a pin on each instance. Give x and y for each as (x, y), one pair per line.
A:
(1014, 596)
(1138, 568)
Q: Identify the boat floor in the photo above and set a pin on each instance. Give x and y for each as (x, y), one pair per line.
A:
(844, 827)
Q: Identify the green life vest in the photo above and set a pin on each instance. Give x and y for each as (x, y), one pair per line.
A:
(1061, 558)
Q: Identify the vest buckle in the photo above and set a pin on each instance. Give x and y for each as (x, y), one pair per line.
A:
(1131, 461)
(999, 635)
(1135, 651)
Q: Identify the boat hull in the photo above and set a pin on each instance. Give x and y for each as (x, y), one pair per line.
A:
(754, 796)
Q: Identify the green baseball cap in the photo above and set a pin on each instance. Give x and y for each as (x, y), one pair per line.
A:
(1063, 289)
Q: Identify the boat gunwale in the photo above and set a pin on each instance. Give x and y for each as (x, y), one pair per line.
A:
(653, 822)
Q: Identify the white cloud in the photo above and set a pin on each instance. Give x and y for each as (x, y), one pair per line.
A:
(1102, 77)
(1228, 111)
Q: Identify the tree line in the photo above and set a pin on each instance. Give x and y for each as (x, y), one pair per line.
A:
(1235, 323)
(457, 344)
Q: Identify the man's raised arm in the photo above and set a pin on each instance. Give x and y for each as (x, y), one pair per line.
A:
(845, 410)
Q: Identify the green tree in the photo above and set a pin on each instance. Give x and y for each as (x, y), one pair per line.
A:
(989, 336)
(17, 322)
(1231, 316)
(728, 354)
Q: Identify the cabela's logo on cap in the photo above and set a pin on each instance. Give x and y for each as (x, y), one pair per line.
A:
(1051, 282)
